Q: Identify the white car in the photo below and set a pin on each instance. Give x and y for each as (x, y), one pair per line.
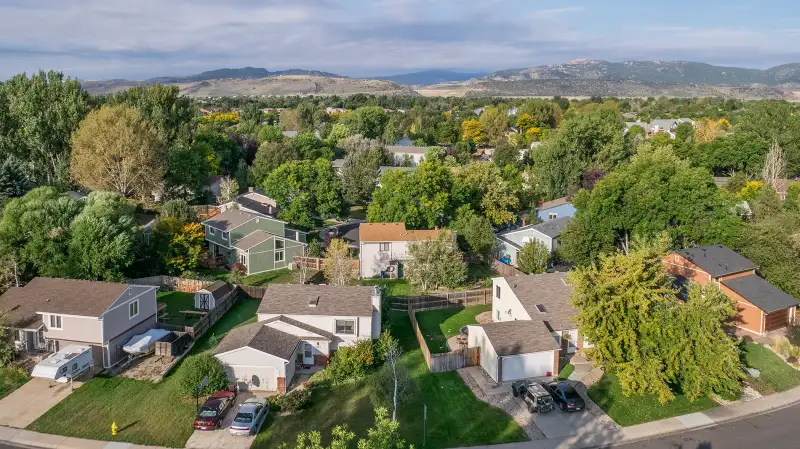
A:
(249, 417)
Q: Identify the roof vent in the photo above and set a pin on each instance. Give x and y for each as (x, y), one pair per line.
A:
(540, 308)
(313, 302)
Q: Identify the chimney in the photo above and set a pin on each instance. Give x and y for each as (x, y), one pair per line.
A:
(250, 189)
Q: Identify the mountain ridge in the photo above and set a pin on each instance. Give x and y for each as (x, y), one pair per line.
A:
(430, 76)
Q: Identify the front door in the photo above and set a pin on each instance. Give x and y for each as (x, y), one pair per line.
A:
(308, 354)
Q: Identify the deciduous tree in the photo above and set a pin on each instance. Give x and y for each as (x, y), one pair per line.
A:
(435, 263)
(533, 258)
(337, 265)
(270, 156)
(471, 132)
(228, 188)
(475, 233)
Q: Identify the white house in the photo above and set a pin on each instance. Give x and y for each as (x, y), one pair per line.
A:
(414, 154)
(298, 326)
(383, 247)
(510, 242)
(532, 326)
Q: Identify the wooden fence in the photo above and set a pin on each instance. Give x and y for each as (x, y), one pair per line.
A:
(213, 315)
(172, 283)
(449, 361)
(315, 263)
(506, 270)
(252, 291)
(442, 300)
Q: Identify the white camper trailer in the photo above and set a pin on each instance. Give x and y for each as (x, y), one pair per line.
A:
(66, 364)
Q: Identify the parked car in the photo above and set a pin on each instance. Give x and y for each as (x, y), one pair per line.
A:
(250, 417)
(210, 415)
(518, 387)
(564, 395)
(538, 399)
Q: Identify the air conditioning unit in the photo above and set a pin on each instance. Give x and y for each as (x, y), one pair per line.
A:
(393, 270)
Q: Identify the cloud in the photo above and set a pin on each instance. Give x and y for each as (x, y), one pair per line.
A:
(549, 13)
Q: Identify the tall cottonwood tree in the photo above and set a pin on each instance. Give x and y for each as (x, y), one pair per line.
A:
(115, 149)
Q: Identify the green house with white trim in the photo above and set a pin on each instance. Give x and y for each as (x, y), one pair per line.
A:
(258, 242)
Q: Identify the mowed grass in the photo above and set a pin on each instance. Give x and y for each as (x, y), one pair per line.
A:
(627, 411)
(455, 416)
(392, 287)
(11, 378)
(145, 413)
(776, 375)
(439, 325)
(177, 302)
(282, 276)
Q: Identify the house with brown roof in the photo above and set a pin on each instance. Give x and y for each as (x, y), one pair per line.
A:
(383, 247)
(48, 314)
(532, 326)
(761, 306)
(299, 326)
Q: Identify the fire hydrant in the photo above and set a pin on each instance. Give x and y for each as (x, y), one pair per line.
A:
(113, 429)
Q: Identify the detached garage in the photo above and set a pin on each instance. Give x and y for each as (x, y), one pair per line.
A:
(513, 350)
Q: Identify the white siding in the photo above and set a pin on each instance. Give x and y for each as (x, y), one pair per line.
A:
(507, 302)
(373, 261)
(244, 363)
(328, 323)
(524, 366)
(477, 339)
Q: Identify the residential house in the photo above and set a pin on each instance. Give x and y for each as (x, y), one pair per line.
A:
(298, 326)
(50, 314)
(254, 201)
(510, 242)
(383, 247)
(337, 165)
(293, 134)
(532, 326)
(762, 307)
(415, 155)
(659, 125)
(557, 208)
(258, 242)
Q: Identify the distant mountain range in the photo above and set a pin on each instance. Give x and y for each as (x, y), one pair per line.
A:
(245, 73)
(428, 77)
(654, 72)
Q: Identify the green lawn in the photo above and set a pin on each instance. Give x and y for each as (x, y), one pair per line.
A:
(455, 416)
(627, 411)
(176, 303)
(392, 287)
(282, 276)
(564, 373)
(219, 273)
(775, 376)
(11, 378)
(146, 413)
(439, 325)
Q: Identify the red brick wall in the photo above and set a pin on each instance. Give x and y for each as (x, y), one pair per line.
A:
(281, 385)
(555, 363)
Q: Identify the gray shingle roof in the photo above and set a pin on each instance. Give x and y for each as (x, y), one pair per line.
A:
(405, 149)
(553, 228)
(219, 289)
(66, 296)
(761, 293)
(259, 337)
(549, 290)
(717, 260)
(307, 327)
(331, 300)
(252, 239)
(252, 202)
(229, 219)
(519, 337)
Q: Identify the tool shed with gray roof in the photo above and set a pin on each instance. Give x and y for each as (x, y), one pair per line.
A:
(208, 297)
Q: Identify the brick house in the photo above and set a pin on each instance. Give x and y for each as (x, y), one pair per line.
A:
(762, 306)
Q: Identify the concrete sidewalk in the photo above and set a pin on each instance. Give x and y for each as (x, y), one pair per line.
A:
(43, 440)
(678, 424)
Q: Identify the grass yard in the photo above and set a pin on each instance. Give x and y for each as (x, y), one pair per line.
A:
(392, 287)
(282, 276)
(146, 413)
(439, 325)
(455, 416)
(627, 411)
(775, 376)
(11, 378)
(218, 274)
(564, 373)
(176, 303)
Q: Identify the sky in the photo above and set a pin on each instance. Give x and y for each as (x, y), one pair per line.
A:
(136, 39)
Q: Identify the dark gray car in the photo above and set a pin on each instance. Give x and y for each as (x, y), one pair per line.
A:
(249, 417)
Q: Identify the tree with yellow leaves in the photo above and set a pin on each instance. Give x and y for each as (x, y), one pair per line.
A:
(471, 131)
(526, 122)
(533, 134)
(183, 244)
(709, 129)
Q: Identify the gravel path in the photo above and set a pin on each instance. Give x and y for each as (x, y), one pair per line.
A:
(506, 402)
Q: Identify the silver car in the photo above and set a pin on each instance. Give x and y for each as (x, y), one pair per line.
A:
(249, 417)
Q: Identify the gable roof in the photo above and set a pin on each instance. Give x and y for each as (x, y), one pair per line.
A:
(717, 260)
(252, 239)
(64, 296)
(406, 149)
(553, 228)
(394, 232)
(19, 309)
(307, 327)
(519, 337)
(258, 202)
(231, 218)
(219, 289)
(553, 203)
(549, 290)
(331, 300)
(761, 293)
(261, 338)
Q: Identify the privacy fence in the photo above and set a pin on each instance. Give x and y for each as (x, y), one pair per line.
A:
(442, 300)
(505, 270)
(450, 361)
(206, 321)
(172, 283)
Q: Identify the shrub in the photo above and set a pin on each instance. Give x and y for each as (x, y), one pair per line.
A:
(381, 386)
(793, 333)
(314, 248)
(351, 362)
(385, 341)
(196, 367)
(237, 273)
(294, 400)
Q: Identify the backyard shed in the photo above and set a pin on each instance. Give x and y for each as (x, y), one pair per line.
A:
(207, 298)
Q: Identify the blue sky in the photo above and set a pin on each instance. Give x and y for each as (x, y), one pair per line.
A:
(103, 39)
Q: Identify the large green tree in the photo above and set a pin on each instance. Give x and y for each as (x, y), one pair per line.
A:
(475, 233)
(13, 183)
(360, 173)
(269, 157)
(435, 263)
(489, 192)
(774, 120)
(303, 188)
(170, 114)
(226, 150)
(369, 121)
(656, 191)
(37, 117)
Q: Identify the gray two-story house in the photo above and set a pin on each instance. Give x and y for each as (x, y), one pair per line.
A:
(258, 242)
(50, 314)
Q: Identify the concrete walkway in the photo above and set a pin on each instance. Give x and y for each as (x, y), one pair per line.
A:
(30, 401)
(582, 367)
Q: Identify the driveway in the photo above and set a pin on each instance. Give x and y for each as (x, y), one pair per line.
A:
(32, 400)
(221, 438)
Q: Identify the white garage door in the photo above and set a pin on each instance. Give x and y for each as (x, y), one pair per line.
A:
(538, 364)
(254, 377)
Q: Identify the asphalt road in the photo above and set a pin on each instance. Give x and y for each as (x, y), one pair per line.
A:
(774, 430)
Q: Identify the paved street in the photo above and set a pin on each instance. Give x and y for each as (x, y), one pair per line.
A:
(774, 430)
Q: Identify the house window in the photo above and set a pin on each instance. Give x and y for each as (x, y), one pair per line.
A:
(384, 247)
(242, 259)
(309, 351)
(210, 230)
(133, 309)
(497, 291)
(498, 314)
(224, 235)
(552, 216)
(55, 322)
(279, 255)
(346, 327)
